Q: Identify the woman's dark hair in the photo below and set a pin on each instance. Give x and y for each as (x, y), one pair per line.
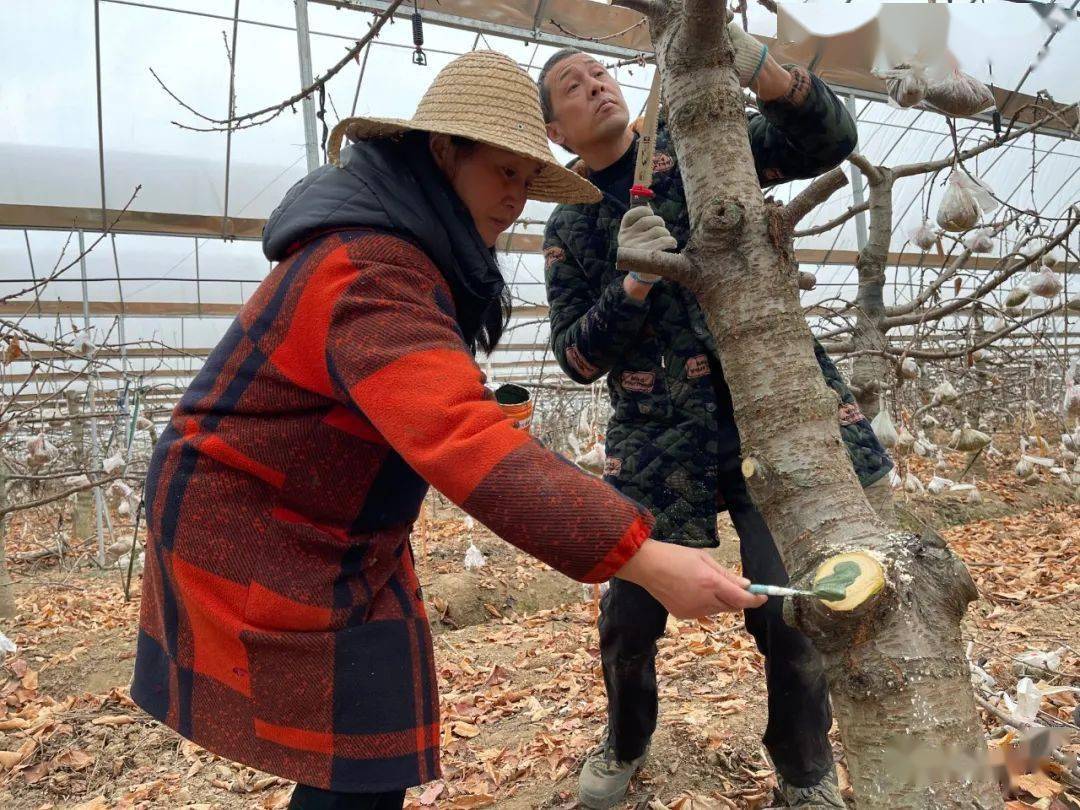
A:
(495, 319)
(496, 316)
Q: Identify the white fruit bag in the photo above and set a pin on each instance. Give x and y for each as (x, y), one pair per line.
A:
(923, 236)
(979, 241)
(1045, 283)
(959, 94)
(884, 429)
(906, 84)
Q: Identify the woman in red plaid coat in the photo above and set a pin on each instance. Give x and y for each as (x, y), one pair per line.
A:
(282, 621)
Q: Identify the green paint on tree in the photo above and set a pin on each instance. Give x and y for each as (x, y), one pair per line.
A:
(833, 587)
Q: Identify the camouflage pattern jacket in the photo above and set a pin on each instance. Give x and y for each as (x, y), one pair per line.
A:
(666, 442)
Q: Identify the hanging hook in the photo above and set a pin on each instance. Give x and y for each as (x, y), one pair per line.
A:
(418, 57)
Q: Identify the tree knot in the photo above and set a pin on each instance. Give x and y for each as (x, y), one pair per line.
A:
(723, 220)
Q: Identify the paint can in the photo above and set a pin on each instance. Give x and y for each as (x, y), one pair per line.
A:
(516, 403)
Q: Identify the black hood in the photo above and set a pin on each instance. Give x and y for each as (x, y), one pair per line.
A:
(394, 186)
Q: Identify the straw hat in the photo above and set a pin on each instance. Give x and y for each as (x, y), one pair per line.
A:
(486, 97)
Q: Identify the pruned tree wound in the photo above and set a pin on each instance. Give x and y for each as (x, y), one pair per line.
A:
(898, 675)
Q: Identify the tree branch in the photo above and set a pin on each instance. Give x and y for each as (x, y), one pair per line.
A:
(832, 223)
(921, 354)
(646, 7)
(59, 496)
(872, 173)
(905, 315)
(935, 165)
(223, 124)
(672, 266)
(57, 273)
(813, 195)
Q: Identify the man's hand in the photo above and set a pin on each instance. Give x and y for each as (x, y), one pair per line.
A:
(641, 229)
(687, 581)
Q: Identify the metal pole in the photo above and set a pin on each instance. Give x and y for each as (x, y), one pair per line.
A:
(94, 461)
(101, 134)
(857, 183)
(198, 281)
(232, 112)
(121, 318)
(303, 46)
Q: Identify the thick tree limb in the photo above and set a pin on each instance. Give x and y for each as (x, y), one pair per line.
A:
(672, 266)
(646, 7)
(872, 172)
(814, 195)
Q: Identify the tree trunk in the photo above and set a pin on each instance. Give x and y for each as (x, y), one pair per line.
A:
(898, 676)
(81, 527)
(871, 371)
(7, 596)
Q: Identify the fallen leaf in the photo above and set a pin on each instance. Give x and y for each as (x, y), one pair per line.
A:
(9, 759)
(429, 796)
(1039, 785)
(463, 729)
(75, 759)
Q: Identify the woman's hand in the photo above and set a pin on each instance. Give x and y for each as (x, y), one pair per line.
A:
(687, 581)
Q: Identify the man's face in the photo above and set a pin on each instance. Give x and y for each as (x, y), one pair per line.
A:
(587, 104)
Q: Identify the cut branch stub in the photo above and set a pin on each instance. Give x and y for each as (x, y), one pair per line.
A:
(723, 222)
(853, 577)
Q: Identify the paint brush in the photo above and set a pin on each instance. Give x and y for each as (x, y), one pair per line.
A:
(826, 594)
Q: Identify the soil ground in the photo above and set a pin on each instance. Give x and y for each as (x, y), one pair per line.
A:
(516, 646)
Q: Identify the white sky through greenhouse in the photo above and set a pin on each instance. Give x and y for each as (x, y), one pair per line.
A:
(49, 141)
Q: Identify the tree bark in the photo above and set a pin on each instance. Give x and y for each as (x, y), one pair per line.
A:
(898, 676)
(871, 367)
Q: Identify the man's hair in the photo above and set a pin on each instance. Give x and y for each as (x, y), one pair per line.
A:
(545, 92)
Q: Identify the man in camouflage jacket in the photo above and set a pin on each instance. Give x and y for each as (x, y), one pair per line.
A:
(672, 443)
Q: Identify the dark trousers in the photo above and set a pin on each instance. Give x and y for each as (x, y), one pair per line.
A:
(310, 798)
(631, 621)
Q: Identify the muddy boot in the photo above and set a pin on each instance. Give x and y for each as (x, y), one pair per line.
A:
(604, 779)
(825, 795)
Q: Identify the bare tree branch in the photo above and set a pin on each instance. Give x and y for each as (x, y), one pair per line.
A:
(249, 119)
(813, 195)
(57, 273)
(832, 223)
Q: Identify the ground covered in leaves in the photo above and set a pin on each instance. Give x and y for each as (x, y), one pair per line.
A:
(522, 695)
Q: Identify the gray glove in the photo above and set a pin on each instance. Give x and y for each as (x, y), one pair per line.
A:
(641, 229)
(749, 54)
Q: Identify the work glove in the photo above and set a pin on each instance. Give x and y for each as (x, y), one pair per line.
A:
(641, 229)
(749, 54)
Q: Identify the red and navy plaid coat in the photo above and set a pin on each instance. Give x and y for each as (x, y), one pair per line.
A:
(282, 622)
